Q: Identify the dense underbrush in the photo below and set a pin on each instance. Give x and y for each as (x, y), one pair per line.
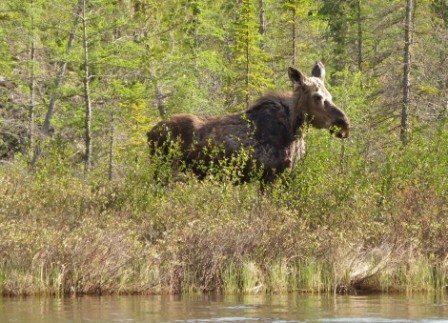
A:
(340, 222)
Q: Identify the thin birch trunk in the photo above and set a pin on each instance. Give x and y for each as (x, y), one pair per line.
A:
(360, 34)
(32, 84)
(445, 81)
(294, 35)
(404, 133)
(87, 102)
(159, 96)
(60, 76)
(160, 101)
(111, 147)
(247, 97)
(262, 17)
(263, 24)
(46, 127)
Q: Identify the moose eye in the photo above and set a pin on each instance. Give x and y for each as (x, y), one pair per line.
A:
(318, 97)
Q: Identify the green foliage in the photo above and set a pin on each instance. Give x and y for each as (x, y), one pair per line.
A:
(440, 7)
(250, 77)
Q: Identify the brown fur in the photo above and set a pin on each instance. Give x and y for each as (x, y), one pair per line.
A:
(270, 129)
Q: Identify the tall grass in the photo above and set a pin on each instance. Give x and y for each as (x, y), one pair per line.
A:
(334, 225)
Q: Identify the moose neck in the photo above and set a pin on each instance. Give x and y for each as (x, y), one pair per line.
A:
(297, 116)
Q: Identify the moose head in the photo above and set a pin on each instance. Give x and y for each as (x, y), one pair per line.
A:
(314, 102)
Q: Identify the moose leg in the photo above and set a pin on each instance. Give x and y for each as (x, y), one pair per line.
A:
(267, 179)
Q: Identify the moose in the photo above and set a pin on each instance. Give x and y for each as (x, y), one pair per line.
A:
(272, 129)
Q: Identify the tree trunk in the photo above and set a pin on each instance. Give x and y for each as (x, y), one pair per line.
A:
(294, 34)
(46, 127)
(359, 27)
(445, 81)
(159, 96)
(404, 134)
(59, 78)
(32, 84)
(263, 23)
(160, 101)
(193, 35)
(111, 147)
(247, 97)
(87, 102)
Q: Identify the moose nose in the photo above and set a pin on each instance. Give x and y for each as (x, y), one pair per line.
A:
(344, 128)
(343, 134)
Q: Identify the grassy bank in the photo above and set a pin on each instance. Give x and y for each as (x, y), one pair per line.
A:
(338, 224)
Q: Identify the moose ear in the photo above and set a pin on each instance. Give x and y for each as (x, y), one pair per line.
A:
(295, 76)
(318, 71)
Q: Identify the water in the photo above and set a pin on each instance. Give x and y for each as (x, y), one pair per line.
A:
(252, 308)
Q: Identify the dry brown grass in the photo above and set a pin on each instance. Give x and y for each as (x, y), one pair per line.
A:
(61, 234)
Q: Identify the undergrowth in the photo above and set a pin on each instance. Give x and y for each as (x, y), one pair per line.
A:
(336, 224)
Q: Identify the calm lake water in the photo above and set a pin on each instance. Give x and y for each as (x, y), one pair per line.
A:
(261, 308)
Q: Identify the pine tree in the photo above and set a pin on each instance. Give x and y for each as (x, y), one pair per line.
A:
(249, 70)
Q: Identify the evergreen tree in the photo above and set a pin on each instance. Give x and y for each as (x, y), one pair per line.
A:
(250, 75)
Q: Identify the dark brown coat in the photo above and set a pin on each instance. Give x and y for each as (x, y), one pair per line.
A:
(270, 130)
